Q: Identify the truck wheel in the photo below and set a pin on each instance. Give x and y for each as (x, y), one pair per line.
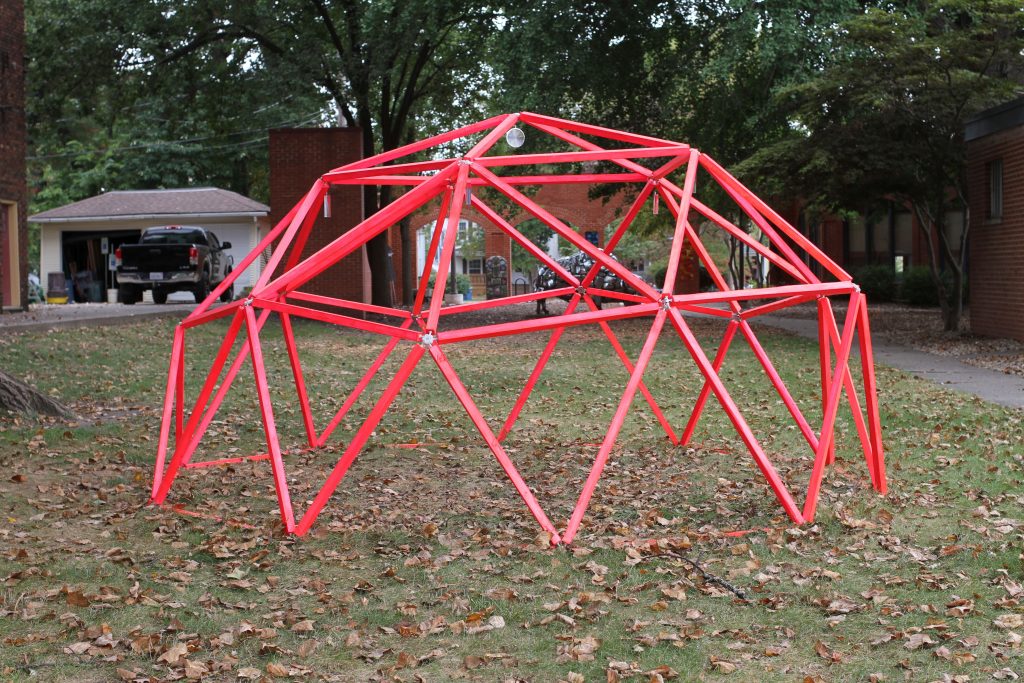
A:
(159, 295)
(127, 294)
(202, 289)
(228, 294)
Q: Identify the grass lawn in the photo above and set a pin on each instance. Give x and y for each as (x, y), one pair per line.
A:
(425, 565)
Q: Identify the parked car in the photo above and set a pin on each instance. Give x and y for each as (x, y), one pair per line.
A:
(173, 258)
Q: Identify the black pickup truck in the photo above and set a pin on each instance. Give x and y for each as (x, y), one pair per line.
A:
(173, 258)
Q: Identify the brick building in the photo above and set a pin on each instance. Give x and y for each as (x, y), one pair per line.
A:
(298, 156)
(13, 195)
(995, 185)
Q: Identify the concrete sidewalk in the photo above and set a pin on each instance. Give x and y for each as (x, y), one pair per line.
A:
(50, 316)
(989, 385)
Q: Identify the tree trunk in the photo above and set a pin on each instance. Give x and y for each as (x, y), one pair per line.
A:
(18, 397)
(408, 261)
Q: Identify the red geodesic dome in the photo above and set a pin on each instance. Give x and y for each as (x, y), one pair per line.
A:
(645, 164)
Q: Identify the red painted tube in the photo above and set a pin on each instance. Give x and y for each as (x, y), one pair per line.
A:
(682, 218)
(736, 417)
(705, 391)
(356, 237)
(355, 446)
(300, 381)
(169, 395)
(780, 386)
(535, 374)
(867, 361)
(568, 233)
(831, 407)
(451, 228)
(615, 427)
(761, 249)
(506, 300)
(527, 244)
(336, 319)
(243, 264)
(345, 303)
(587, 129)
(360, 386)
(420, 145)
(524, 326)
(585, 155)
(628, 364)
(269, 428)
(428, 260)
(499, 453)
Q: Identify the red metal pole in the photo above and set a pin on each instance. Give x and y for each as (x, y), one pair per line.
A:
(300, 381)
(242, 265)
(761, 249)
(535, 251)
(682, 218)
(360, 438)
(744, 196)
(851, 393)
(269, 429)
(831, 406)
(765, 465)
(825, 362)
(779, 385)
(179, 390)
(621, 353)
(426, 143)
(538, 368)
(523, 326)
(303, 221)
(183, 448)
(336, 319)
(177, 347)
(615, 427)
(345, 303)
(355, 238)
(587, 129)
(705, 391)
(428, 261)
(451, 232)
(360, 386)
(867, 360)
(499, 453)
(565, 231)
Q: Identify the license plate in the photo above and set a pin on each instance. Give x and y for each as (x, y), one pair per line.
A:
(156, 276)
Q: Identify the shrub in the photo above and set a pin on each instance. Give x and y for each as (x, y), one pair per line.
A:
(462, 283)
(878, 282)
(918, 289)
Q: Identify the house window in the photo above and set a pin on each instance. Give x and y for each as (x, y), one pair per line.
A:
(476, 266)
(995, 189)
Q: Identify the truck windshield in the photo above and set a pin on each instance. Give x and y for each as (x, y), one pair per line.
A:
(175, 237)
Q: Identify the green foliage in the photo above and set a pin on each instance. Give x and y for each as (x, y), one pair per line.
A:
(463, 284)
(877, 281)
(917, 288)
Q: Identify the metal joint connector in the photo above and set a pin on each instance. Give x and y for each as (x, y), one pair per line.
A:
(248, 302)
(581, 290)
(427, 340)
(737, 318)
(856, 287)
(666, 303)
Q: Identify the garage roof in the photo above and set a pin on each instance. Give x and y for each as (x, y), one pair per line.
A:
(130, 204)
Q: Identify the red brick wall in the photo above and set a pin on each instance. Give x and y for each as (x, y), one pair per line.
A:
(997, 245)
(298, 156)
(12, 147)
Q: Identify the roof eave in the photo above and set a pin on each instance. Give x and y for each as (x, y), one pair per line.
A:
(175, 217)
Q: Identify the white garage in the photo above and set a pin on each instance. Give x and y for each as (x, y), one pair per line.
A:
(79, 239)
